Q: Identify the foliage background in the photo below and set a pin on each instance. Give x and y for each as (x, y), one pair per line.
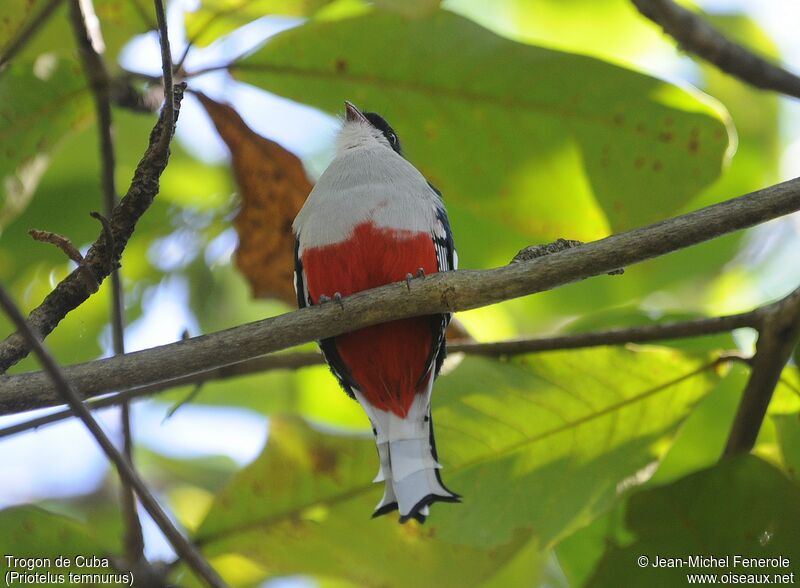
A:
(572, 463)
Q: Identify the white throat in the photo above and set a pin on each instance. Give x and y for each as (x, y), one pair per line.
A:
(359, 134)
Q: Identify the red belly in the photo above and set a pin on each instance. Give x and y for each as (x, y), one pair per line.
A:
(388, 360)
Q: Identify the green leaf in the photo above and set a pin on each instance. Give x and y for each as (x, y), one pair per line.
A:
(31, 269)
(500, 129)
(702, 438)
(120, 21)
(788, 430)
(409, 8)
(609, 29)
(17, 15)
(743, 506)
(216, 18)
(32, 532)
(39, 104)
(538, 447)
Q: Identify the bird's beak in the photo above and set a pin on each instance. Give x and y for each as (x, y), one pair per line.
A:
(353, 114)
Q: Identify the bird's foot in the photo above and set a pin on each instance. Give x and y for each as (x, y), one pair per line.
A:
(337, 297)
(410, 276)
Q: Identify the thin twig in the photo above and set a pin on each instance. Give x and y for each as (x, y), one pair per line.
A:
(59, 241)
(72, 292)
(182, 546)
(696, 36)
(108, 234)
(778, 336)
(21, 385)
(99, 80)
(28, 33)
(166, 69)
(70, 251)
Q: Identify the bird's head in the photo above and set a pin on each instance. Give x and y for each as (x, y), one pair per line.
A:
(366, 129)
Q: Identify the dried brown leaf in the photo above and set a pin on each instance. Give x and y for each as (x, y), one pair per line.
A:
(273, 186)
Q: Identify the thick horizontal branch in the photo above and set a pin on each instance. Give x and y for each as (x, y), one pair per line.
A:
(448, 291)
(696, 36)
(292, 361)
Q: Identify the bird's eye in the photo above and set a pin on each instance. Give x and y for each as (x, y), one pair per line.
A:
(392, 138)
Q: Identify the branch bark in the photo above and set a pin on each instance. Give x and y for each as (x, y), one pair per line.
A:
(779, 334)
(182, 546)
(696, 36)
(449, 291)
(293, 361)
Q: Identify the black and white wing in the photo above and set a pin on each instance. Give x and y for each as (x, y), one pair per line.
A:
(447, 259)
(328, 346)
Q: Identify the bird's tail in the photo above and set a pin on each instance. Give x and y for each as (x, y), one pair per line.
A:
(409, 466)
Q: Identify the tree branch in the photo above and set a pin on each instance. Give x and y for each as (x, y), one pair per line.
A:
(89, 40)
(72, 291)
(778, 336)
(182, 546)
(292, 361)
(696, 36)
(443, 292)
(166, 71)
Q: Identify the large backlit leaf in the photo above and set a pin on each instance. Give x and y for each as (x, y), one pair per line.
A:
(215, 18)
(609, 29)
(39, 103)
(742, 506)
(537, 447)
(688, 275)
(579, 145)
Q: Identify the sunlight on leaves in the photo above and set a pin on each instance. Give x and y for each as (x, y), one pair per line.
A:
(743, 506)
(484, 110)
(513, 438)
(39, 103)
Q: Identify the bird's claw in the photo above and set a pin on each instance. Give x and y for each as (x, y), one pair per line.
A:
(410, 276)
(337, 298)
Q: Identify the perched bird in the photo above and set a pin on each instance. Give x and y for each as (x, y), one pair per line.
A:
(373, 219)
